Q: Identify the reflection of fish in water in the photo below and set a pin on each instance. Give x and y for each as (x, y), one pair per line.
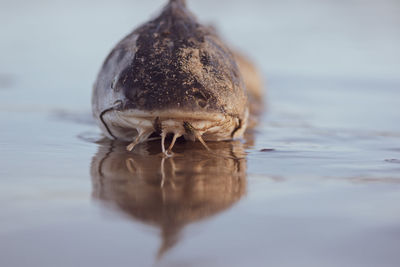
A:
(170, 192)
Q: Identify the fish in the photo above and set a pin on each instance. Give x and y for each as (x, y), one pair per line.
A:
(174, 77)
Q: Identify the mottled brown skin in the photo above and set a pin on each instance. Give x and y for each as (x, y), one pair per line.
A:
(173, 62)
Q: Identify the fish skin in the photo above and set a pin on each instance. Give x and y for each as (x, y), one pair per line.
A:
(172, 62)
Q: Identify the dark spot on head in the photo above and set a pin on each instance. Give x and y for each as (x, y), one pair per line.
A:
(201, 98)
(202, 103)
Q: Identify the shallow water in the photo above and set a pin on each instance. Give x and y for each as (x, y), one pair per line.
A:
(315, 184)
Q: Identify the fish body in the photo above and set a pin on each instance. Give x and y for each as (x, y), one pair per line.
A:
(171, 76)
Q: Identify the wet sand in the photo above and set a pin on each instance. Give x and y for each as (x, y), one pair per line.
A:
(315, 184)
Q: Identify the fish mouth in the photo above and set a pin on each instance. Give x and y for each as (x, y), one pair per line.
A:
(137, 126)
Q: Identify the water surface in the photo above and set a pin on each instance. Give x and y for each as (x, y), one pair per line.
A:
(317, 183)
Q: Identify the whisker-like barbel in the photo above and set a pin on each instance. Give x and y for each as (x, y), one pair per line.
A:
(176, 136)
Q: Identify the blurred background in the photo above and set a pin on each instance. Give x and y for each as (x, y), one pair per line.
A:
(319, 177)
